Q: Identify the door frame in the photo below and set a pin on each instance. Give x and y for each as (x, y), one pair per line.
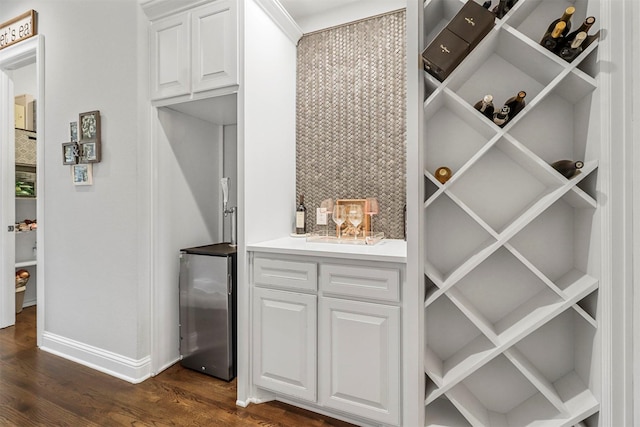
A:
(14, 57)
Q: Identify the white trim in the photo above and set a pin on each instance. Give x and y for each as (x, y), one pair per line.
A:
(634, 317)
(281, 17)
(125, 368)
(157, 9)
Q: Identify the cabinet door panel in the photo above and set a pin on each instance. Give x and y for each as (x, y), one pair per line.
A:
(284, 339)
(169, 39)
(214, 46)
(360, 359)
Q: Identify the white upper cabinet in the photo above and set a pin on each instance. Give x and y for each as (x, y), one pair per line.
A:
(169, 57)
(214, 46)
(194, 51)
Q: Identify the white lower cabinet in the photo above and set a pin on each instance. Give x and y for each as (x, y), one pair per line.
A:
(284, 337)
(338, 334)
(359, 358)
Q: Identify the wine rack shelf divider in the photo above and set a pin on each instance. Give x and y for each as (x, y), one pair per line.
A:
(510, 322)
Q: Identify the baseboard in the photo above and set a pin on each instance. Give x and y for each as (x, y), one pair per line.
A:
(125, 368)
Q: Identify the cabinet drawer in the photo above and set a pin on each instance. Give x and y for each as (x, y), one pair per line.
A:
(360, 281)
(285, 274)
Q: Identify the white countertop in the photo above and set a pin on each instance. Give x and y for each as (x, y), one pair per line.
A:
(388, 250)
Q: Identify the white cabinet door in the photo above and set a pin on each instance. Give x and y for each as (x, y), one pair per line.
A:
(170, 62)
(214, 49)
(360, 359)
(284, 342)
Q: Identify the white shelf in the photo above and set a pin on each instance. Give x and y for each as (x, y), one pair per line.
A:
(28, 263)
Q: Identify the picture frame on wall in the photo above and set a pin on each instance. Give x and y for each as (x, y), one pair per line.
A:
(89, 126)
(82, 174)
(89, 152)
(70, 153)
(73, 131)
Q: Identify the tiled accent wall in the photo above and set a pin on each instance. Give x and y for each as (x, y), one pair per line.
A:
(351, 117)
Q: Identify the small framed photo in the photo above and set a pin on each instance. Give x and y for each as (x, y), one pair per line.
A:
(82, 174)
(89, 152)
(89, 126)
(70, 153)
(73, 131)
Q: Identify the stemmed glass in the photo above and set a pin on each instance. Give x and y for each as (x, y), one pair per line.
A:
(355, 215)
(339, 216)
(371, 208)
(326, 206)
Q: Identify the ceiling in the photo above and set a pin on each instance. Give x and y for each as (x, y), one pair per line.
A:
(299, 9)
(314, 15)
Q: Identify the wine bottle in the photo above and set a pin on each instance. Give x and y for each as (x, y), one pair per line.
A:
(500, 9)
(568, 168)
(586, 26)
(485, 106)
(516, 104)
(570, 52)
(566, 18)
(501, 117)
(301, 217)
(443, 174)
(553, 41)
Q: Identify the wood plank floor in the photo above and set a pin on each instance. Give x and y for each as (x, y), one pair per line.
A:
(38, 389)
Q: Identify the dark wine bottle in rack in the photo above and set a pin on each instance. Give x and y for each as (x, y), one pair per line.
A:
(510, 109)
(566, 18)
(516, 103)
(443, 174)
(570, 52)
(585, 27)
(553, 41)
(500, 9)
(568, 168)
(485, 106)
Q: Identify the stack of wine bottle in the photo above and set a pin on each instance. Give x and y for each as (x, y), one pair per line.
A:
(568, 45)
(501, 117)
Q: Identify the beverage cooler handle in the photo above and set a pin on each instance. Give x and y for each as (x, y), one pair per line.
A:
(229, 284)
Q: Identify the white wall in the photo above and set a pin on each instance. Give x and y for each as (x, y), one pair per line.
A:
(91, 237)
(269, 128)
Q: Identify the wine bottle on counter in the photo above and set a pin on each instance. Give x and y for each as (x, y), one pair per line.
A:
(485, 106)
(553, 41)
(566, 18)
(301, 217)
(570, 52)
(586, 26)
(568, 168)
(443, 174)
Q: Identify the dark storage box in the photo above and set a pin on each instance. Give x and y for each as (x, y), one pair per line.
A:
(444, 54)
(472, 23)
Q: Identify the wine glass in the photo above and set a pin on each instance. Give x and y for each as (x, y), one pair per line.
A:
(326, 206)
(355, 214)
(339, 216)
(371, 209)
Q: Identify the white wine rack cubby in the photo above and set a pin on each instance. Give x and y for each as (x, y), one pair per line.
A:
(512, 247)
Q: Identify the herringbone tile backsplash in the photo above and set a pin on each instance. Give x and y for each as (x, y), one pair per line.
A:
(351, 117)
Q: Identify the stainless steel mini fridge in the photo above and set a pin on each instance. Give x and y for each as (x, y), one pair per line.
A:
(208, 309)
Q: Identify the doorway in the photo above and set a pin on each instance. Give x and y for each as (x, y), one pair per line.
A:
(18, 64)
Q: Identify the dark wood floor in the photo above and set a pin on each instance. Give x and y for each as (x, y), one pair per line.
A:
(38, 389)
